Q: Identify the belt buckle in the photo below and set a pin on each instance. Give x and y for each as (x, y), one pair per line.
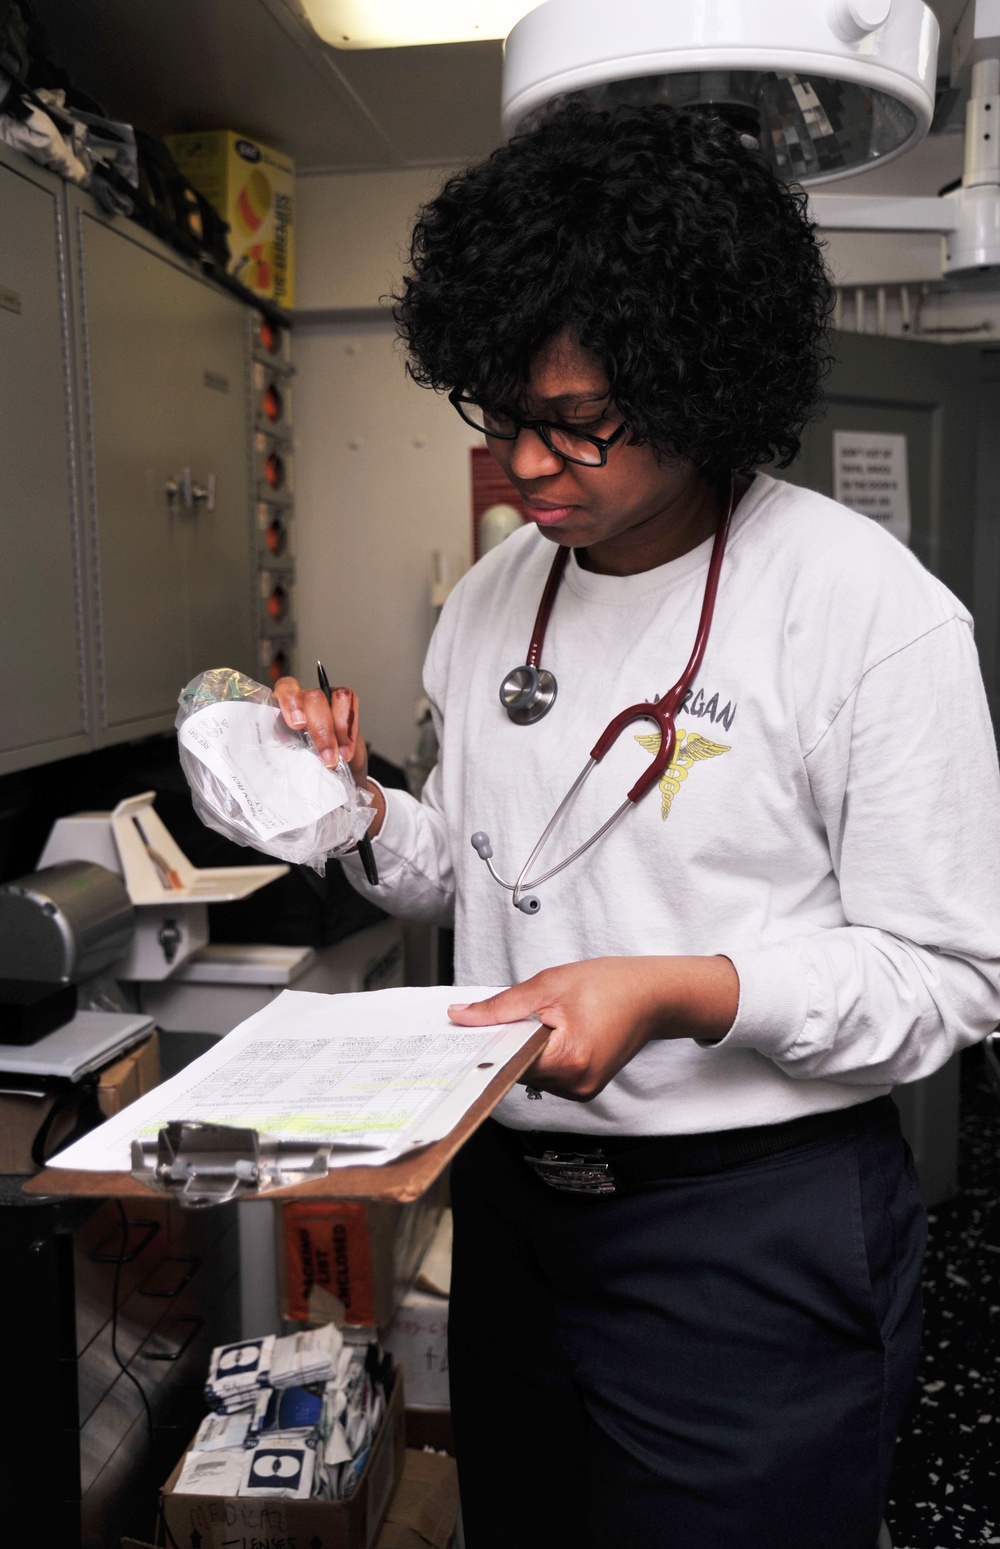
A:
(574, 1172)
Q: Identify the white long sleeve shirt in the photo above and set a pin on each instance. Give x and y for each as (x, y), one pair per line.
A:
(830, 821)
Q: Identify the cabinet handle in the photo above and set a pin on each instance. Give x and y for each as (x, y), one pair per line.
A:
(197, 1324)
(188, 492)
(194, 1264)
(180, 489)
(149, 1230)
(205, 493)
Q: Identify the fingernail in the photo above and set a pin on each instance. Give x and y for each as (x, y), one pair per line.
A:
(330, 757)
(463, 1007)
(345, 753)
(297, 718)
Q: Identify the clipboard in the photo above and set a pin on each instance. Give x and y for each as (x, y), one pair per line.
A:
(403, 1180)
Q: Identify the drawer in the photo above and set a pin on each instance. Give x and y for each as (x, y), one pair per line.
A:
(100, 1249)
(177, 1353)
(107, 1427)
(183, 1330)
(138, 1316)
(105, 1506)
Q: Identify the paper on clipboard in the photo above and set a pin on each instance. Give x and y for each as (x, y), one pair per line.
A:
(375, 1075)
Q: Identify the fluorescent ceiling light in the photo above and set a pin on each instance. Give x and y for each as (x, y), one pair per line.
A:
(400, 23)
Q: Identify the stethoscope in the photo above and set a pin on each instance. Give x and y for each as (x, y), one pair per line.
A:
(529, 692)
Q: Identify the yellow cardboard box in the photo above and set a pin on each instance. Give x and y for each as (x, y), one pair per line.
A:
(253, 189)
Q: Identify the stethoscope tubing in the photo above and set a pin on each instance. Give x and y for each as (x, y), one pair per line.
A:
(661, 712)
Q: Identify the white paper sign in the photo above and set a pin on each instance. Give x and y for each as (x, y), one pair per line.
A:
(870, 475)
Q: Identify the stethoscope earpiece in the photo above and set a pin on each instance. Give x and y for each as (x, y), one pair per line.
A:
(528, 693)
(529, 904)
(481, 845)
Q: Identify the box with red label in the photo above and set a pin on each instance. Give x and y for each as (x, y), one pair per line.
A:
(363, 1253)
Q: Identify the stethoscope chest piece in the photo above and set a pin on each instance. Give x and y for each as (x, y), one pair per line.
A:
(528, 693)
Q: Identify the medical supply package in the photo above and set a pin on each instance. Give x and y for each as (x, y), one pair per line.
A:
(253, 188)
(301, 1414)
(258, 782)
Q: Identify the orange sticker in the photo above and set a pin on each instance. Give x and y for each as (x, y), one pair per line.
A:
(327, 1245)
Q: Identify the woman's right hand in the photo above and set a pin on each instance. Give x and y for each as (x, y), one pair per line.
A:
(334, 731)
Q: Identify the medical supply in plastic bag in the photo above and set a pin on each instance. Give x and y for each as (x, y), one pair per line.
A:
(258, 782)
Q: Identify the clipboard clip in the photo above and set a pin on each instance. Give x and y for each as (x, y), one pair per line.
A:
(210, 1164)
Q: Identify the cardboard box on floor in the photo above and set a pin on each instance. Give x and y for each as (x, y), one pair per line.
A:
(417, 1339)
(429, 1428)
(229, 1522)
(119, 1084)
(364, 1253)
(423, 1512)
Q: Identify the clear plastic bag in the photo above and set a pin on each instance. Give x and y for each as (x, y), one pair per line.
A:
(258, 782)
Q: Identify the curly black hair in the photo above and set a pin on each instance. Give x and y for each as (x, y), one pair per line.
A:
(666, 244)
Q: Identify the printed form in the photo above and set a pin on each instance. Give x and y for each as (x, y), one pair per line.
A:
(375, 1075)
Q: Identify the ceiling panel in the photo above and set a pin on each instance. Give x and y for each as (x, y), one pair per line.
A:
(437, 104)
(257, 66)
(166, 65)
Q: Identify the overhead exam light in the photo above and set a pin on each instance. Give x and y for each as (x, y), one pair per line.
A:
(967, 217)
(828, 87)
(353, 24)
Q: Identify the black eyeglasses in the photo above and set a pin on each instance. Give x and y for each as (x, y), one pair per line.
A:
(574, 446)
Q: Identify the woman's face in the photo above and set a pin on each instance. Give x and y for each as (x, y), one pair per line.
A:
(639, 510)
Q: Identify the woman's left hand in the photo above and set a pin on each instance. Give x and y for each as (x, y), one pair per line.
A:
(602, 1012)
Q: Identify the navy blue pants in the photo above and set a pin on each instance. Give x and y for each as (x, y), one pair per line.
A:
(717, 1361)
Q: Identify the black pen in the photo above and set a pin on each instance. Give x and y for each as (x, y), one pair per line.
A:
(364, 843)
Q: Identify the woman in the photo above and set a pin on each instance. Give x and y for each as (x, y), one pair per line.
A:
(685, 1304)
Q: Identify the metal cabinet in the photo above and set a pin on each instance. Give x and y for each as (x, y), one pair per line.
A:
(125, 474)
(43, 700)
(165, 413)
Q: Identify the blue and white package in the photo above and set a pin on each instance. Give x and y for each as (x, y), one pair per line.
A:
(238, 1371)
(285, 1412)
(279, 1470)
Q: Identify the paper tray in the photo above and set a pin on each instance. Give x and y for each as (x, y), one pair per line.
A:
(404, 1180)
(145, 846)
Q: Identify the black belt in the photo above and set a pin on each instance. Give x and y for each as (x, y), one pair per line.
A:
(603, 1164)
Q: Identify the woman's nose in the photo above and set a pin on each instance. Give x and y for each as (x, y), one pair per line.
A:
(530, 458)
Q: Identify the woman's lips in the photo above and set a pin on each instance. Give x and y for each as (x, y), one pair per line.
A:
(545, 513)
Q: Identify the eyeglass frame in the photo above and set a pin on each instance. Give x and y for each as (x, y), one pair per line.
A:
(603, 444)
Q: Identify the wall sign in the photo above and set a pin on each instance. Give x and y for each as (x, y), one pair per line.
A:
(870, 475)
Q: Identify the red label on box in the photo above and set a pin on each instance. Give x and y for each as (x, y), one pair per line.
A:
(328, 1246)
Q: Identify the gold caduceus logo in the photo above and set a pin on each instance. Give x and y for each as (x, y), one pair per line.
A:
(691, 749)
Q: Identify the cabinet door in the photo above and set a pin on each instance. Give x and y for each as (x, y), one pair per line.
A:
(222, 549)
(164, 356)
(43, 710)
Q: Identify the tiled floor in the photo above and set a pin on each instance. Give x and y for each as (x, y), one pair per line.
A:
(946, 1481)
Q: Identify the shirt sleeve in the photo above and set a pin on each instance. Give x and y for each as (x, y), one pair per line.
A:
(905, 780)
(413, 855)
(413, 849)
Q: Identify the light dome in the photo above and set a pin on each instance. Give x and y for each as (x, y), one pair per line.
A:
(828, 87)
